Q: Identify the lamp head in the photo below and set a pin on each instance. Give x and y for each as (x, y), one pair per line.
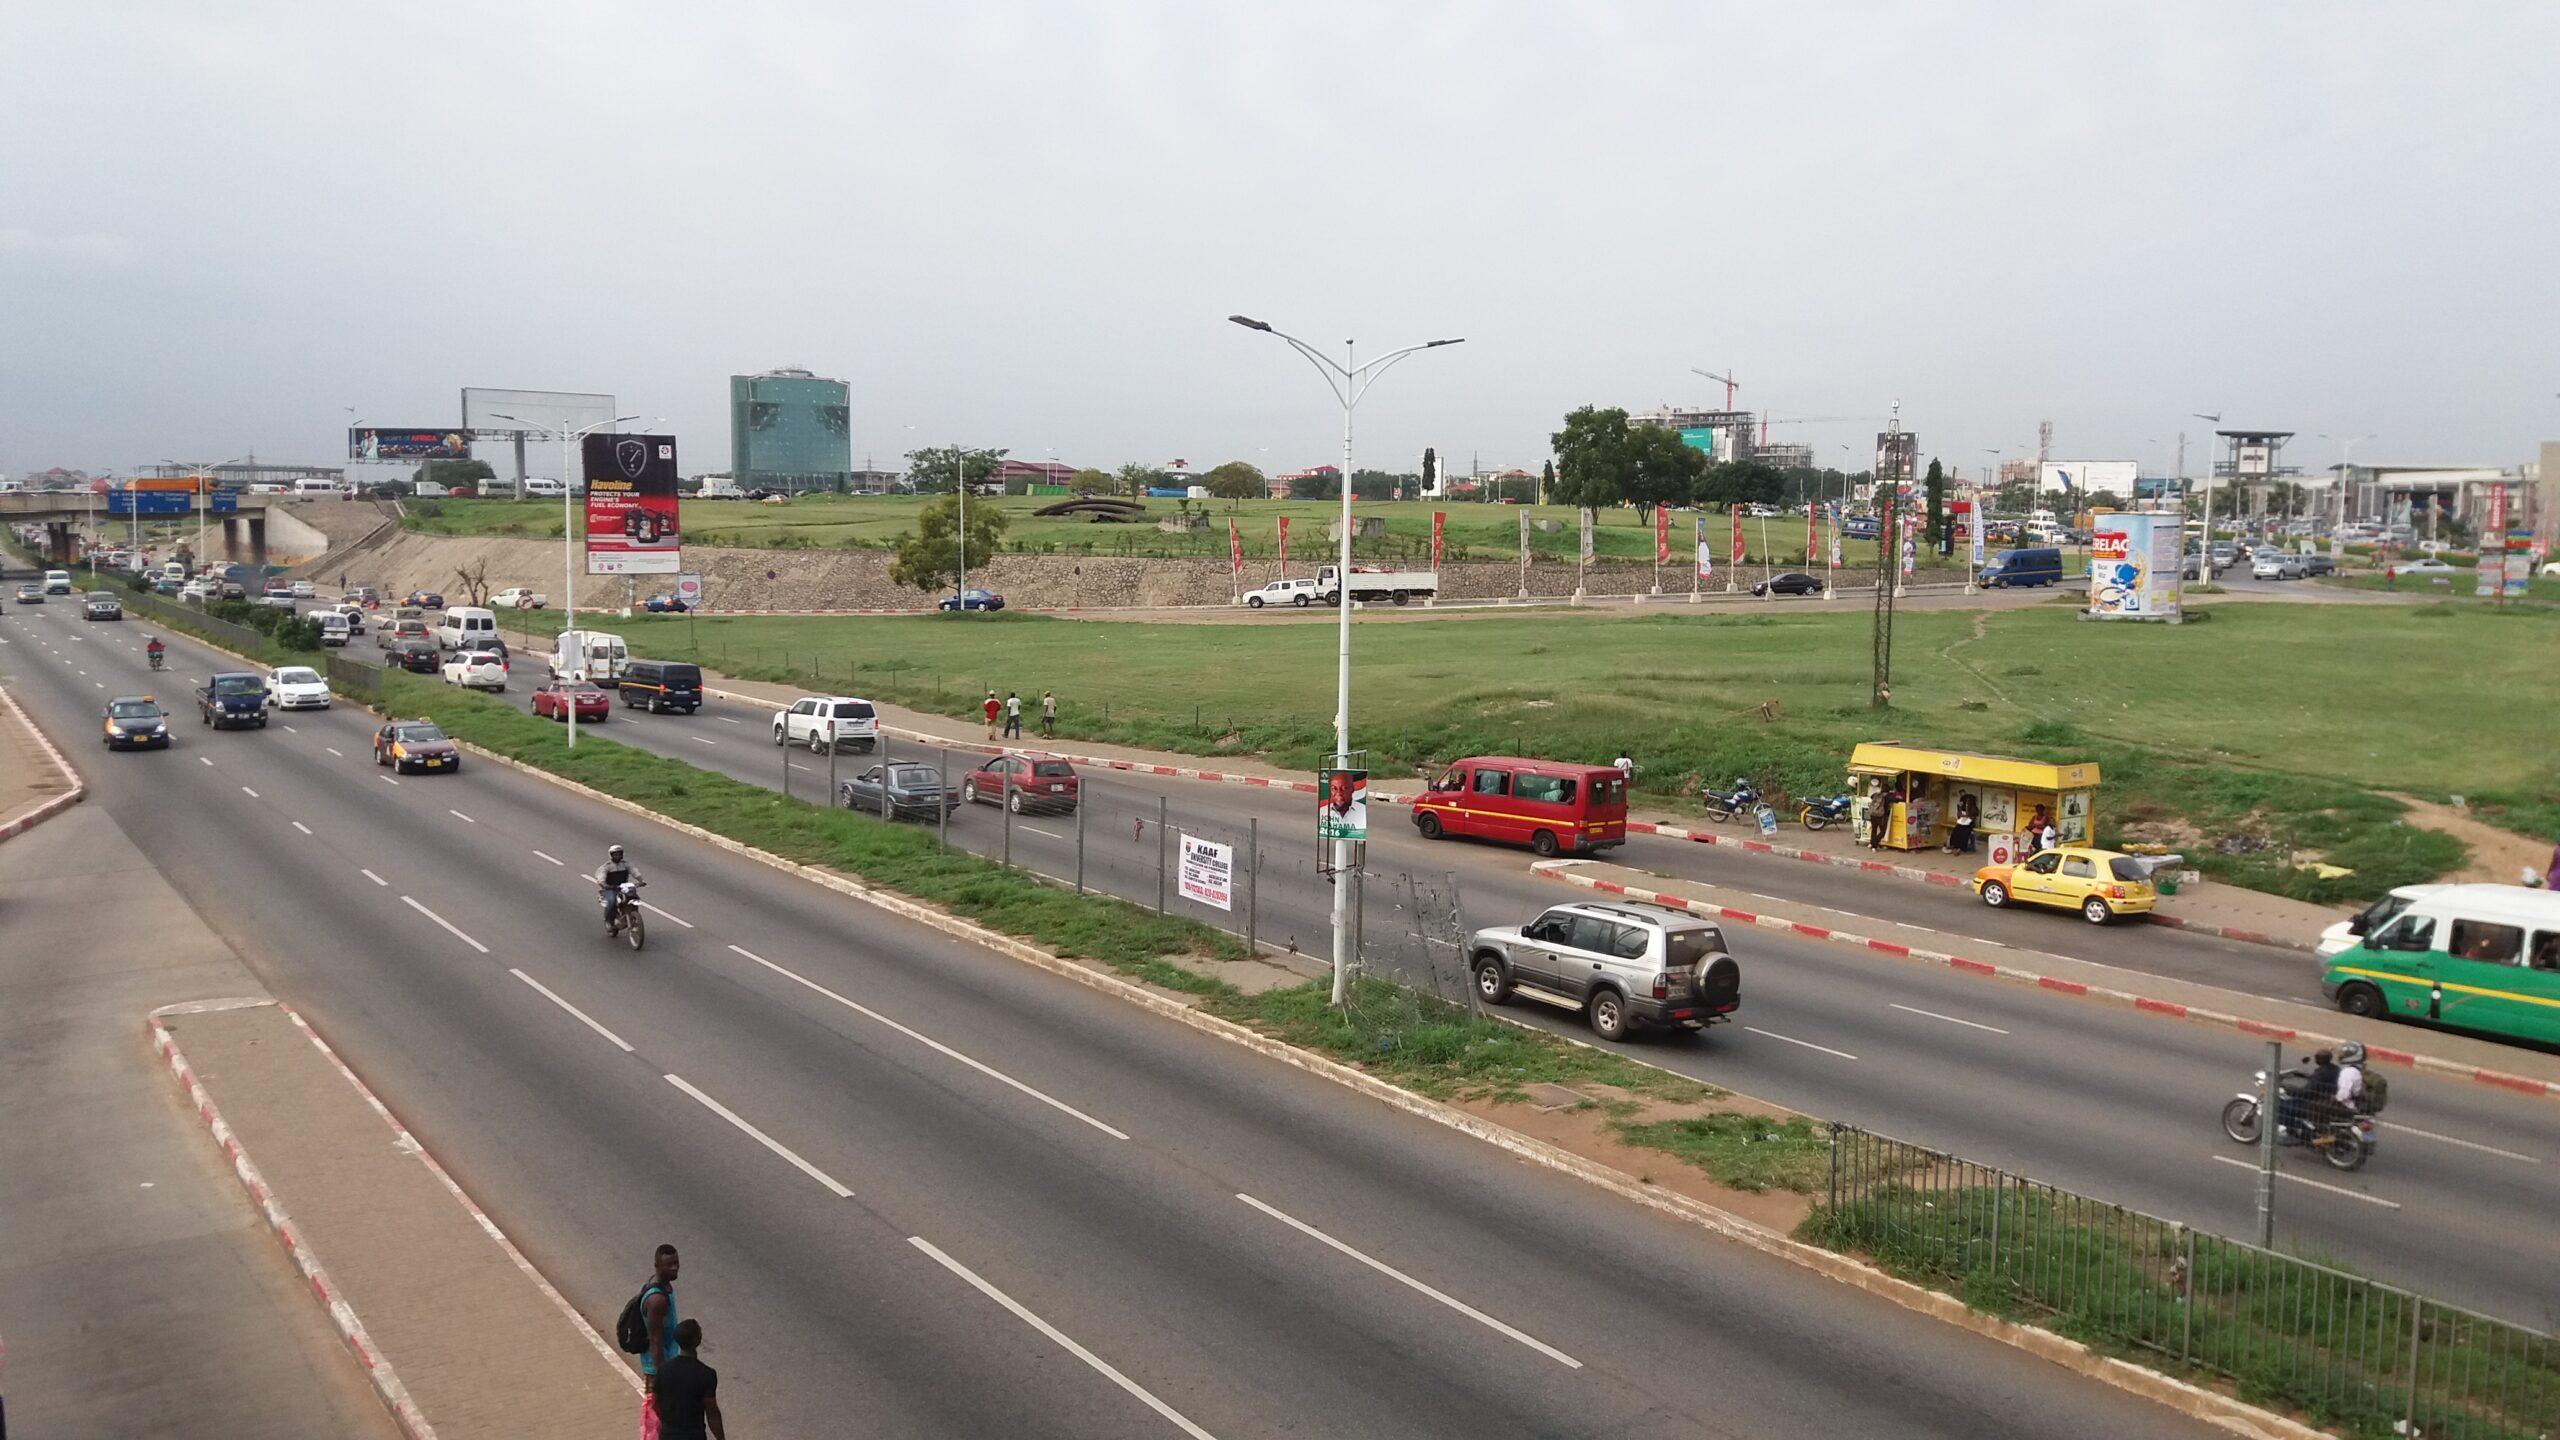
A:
(1250, 323)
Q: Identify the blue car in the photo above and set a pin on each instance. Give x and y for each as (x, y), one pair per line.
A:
(233, 697)
(663, 604)
(973, 600)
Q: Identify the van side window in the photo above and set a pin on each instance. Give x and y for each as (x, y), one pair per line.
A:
(2481, 940)
(1493, 782)
(1600, 937)
(1546, 789)
(2546, 950)
(2409, 932)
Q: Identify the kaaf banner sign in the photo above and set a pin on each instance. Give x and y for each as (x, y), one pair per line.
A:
(631, 505)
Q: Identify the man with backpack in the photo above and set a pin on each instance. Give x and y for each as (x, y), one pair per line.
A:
(647, 1328)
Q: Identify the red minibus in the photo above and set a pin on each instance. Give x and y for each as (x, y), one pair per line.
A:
(1549, 807)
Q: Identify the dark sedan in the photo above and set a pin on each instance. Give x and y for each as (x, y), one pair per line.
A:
(415, 745)
(915, 791)
(1788, 582)
(418, 657)
(973, 600)
(663, 604)
(134, 722)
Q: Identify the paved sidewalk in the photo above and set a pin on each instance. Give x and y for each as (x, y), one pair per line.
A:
(35, 778)
(2439, 1052)
(473, 1337)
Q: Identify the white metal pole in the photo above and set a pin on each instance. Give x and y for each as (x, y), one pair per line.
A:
(1342, 849)
(960, 475)
(569, 593)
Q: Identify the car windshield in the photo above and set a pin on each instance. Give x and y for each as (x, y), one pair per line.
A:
(133, 710)
(96, 596)
(238, 685)
(853, 709)
(297, 675)
(416, 734)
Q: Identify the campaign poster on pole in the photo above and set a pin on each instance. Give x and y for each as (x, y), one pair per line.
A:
(631, 505)
(1661, 535)
(1586, 534)
(1235, 549)
(1342, 804)
(1439, 523)
(1208, 872)
(1736, 552)
(1706, 557)
(1834, 507)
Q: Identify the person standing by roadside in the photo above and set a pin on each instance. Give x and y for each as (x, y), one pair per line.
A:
(993, 708)
(1879, 815)
(2039, 825)
(688, 1393)
(1012, 716)
(1960, 834)
(1049, 717)
(658, 1313)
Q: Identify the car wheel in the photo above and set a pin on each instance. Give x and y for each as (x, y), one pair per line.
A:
(1300, 602)
(1608, 1010)
(777, 737)
(1428, 824)
(1253, 602)
(817, 743)
(1994, 894)
(968, 792)
(1544, 842)
(2095, 911)
(1013, 802)
(2363, 1002)
(1493, 983)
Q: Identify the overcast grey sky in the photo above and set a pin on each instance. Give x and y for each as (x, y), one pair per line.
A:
(1022, 224)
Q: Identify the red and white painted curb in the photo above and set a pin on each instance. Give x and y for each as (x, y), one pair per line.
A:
(377, 1367)
(59, 803)
(1929, 877)
(1562, 870)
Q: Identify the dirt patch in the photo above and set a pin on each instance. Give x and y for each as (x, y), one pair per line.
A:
(2497, 856)
(2175, 835)
(1585, 1132)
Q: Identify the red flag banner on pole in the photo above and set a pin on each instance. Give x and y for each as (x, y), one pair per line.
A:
(1235, 549)
(1661, 535)
(1439, 521)
(1811, 541)
(1284, 545)
(1736, 552)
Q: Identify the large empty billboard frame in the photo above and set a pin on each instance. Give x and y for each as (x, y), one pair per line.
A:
(536, 416)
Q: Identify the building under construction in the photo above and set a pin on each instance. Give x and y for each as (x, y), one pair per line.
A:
(1722, 434)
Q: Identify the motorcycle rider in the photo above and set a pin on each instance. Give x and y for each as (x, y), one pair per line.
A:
(609, 881)
(2346, 1095)
(154, 649)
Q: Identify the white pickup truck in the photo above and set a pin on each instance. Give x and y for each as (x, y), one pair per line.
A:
(518, 597)
(1396, 585)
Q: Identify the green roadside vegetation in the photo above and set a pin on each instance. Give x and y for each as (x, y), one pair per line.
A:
(2255, 745)
(1416, 1042)
(1472, 531)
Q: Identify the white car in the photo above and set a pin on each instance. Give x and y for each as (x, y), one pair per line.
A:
(2424, 567)
(354, 614)
(2275, 565)
(1300, 592)
(476, 670)
(298, 687)
(518, 597)
(828, 722)
(302, 590)
(198, 590)
(2550, 571)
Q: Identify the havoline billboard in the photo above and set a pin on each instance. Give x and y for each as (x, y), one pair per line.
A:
(631, 505)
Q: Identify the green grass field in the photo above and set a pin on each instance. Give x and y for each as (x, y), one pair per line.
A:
(2275, 721)
(1473, 531)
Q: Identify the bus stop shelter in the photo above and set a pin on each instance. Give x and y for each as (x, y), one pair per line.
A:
(1921, 787)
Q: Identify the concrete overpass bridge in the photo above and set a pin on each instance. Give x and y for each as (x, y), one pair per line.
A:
(64, 513)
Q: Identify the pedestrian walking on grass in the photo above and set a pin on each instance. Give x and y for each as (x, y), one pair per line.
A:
(1012, 716)
(688, 1393)
(993, 708)
(1048, 715)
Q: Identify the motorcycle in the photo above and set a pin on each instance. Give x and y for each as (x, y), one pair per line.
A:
(1822, 811)
(624, 920)
(2345, 1141)
(1724, 805)
(157, 660)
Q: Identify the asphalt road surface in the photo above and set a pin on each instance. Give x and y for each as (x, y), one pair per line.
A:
(925, 1186)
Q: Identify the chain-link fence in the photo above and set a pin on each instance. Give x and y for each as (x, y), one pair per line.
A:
(2352, 1353)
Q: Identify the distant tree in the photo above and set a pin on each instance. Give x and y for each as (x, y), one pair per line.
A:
(1090, 482)
(1662, 469)
(1237, 480)
(1740, 482)
(1322, 485)
(1592, 464)
(929, 556)
(1935, 485)
(450, 473)
(1520, 488)
(1546, 481)
(935, 468)
(1379, 485)
(473, 581)
(1430, 463)
(2014, 497)
(1135, 479)
(2103, 500)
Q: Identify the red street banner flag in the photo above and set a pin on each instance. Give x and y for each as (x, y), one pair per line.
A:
(1235, 549)
(1439, 520)
(1809, 538)
(1284, 542)
(1661, 535)
(1736, 551)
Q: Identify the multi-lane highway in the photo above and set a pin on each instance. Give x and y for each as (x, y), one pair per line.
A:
(2092, 1097)
(924, 1186)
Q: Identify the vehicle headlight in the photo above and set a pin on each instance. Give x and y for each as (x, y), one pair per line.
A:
(114, 729)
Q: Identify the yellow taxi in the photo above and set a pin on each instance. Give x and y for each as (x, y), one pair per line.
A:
(2100, 884)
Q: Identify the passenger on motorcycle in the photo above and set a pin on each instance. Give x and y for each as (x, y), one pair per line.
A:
(609, 881)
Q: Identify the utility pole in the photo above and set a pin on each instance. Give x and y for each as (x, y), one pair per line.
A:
(1888, 480)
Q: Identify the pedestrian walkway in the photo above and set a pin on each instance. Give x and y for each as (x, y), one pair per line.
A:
(475, 1342)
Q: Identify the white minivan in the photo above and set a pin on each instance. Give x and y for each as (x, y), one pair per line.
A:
(535, 487)
(592, 657)
(468, 627)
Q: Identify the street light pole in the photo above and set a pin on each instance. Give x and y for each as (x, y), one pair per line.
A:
(2337, 532)
(2204, 567)
(1349, 381)
(569, 553)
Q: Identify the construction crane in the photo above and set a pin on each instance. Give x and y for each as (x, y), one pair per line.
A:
(1726, 380)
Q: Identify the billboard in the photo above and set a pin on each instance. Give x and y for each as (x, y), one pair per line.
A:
(366, 442)
(631, 505)
(2134, 565)
(2254, 460)
(1342, 804)
(2082, 478)
(533, 410)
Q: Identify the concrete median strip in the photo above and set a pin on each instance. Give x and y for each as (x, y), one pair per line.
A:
(1571, 872)
(43, 810)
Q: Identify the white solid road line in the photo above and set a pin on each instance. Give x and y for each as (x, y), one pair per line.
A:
(449, 926)
(987, 1070)
(1790, 1039)
(698, 740)
(588, 1020)
(540, 856)
(2450, 1140)
(245, 790)
(1393, 1273)
(465, 819)
(1950, 1019)
(298, 825)
(725, 720)
(2317, 1184)
(205, 759)
(376, 879)
(663, 915)
(1036, 830)
(761, 1138)
(388, 779)
(1059, 1338)
(332, 749)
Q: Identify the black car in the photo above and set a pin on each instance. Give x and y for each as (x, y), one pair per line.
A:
(2319, 563)
(135, 722)
(915, 791)
(233, 697)
(101, 605)
(418, 657)
(1788, 582)
(655, 685)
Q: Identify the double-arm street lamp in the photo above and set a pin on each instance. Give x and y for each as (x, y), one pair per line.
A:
(569, 549)
(1349, 382)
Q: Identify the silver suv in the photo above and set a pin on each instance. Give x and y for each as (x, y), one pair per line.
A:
(1622, 965)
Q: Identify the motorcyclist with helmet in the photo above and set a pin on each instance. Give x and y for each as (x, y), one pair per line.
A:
(609, 881)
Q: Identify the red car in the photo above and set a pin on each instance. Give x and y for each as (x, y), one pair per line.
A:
(1024, 781)
(555, 699)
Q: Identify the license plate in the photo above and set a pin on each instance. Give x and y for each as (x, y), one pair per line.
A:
(434, 764)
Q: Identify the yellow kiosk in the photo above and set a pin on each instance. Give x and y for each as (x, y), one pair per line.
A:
(1922, 787)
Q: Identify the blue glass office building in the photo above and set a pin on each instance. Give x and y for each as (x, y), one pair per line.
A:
(790, 430)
